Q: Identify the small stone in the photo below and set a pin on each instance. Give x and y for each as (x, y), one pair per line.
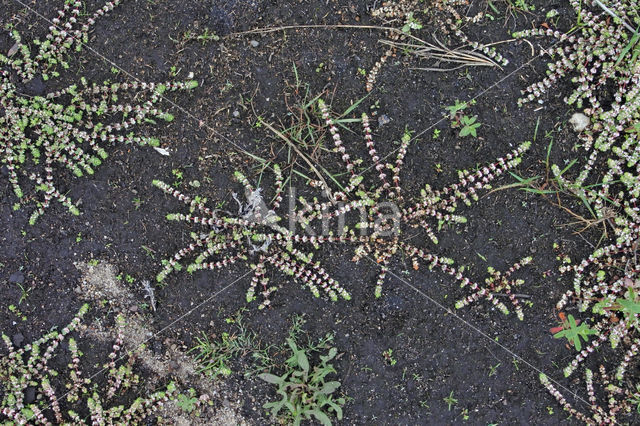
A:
(17, 339)
(4, 171)
(16, 278)
(254, 43)
(579, 121)
(383, 119)
(236, 114)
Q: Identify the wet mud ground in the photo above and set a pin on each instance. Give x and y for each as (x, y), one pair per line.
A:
(489, 362)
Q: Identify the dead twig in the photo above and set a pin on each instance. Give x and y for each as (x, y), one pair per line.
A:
(298, 27)
(440, 53)
(304, 157)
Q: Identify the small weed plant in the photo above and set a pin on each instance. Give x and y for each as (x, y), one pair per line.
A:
(304, 388)
(573, 332)
(465, 123)
(214, 356)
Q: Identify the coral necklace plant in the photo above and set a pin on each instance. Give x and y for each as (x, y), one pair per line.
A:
(255, 233)
(42, 136)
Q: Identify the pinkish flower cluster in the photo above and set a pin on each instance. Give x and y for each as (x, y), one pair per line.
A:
(618, 399)
(63, 36)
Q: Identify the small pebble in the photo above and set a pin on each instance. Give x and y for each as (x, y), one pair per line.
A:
(236, 114)
(254, 43)
(579, 121)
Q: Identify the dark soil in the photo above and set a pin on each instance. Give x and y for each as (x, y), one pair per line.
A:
(489, 362)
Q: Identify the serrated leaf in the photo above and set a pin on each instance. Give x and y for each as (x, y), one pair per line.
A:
(330, 387)
(272, 378)
(303, 362)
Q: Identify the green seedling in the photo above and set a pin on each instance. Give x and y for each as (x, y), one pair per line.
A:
(411, 23)
(206, 36)
(493, 369)
(469, 126)
(17, 312)
(304, 389)
(388, 357)
(573, 331)
(137, 202)
(456, 108)
(187, 402)
(450, 401)
(24, 293)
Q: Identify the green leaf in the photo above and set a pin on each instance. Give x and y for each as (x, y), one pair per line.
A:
(274, 406)
(167, 117)
(575, 332)
(322, 417)
(335, 407)
(303, 362)
(272, 378)
(330, 387)
(629, 306)
(628, 47)
(453, 109)
(332, 353)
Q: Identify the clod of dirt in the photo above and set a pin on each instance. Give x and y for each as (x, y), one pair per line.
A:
(383, 119)
(579, 121)
(221, 21)
(36, 87)
(17, 339)
(16, 278)
(29, 395)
